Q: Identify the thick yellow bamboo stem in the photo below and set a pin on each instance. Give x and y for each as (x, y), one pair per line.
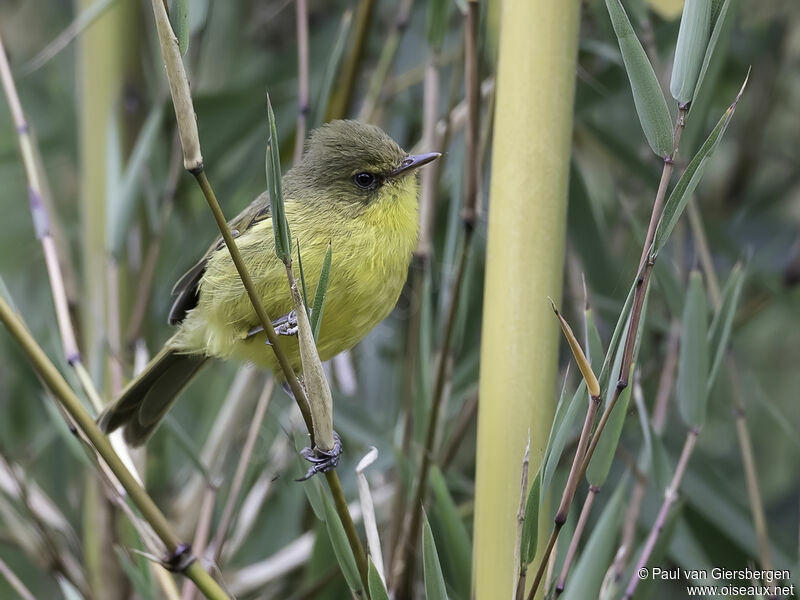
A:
(525, 253)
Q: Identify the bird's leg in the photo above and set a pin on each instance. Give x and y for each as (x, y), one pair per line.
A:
(322, 461)
(285, 325)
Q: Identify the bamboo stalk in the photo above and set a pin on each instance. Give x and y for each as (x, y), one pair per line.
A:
(15, 582)
(176, 551)
(525, 252)
(576, 537)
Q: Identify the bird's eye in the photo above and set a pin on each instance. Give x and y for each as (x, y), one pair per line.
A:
(364, 180)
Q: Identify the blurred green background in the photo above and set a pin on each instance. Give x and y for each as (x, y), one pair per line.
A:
(750, 206)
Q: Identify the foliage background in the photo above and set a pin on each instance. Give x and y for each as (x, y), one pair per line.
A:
(750, 202)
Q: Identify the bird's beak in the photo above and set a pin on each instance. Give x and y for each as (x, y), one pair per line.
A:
(412, 162)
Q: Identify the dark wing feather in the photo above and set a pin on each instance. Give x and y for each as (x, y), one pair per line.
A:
(186, 289)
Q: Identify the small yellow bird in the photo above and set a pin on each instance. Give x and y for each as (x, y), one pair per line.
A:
(354, 188)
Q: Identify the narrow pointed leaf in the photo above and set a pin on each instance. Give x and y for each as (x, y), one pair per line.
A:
(691, 177)
(320, 294)
(690, 48)
(651, 106)
(432, 569)
(558, 437)
(692, 385)
(594, 347)
(586, 578)
(438, 12)
(719, 21)
(302, 279)
(377, 589)
(530, 526)
(455, 541)
(280, 227)
(331, 68)
(720, 331)
(179, 17)
(341, 547)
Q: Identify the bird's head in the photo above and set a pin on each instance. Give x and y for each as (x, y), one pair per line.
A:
(355, 163)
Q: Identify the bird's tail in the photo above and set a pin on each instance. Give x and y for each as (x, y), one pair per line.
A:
(146, 399)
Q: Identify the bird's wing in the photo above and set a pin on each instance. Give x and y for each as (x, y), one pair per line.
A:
(186, 287)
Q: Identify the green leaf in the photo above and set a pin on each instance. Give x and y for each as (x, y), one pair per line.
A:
(438, 13)
(719, 21)
(320, 294)
(280, 227)
(530, 525)
(341, 547)
(434, 580)
(128, 191)
(587, 576)
(690, 48)
(622, 321)
(179, 18)
(720, 331)
(303, 280)
(691, 177)
(377, 589)
(692, 385)
(559, 435)
(644, 589)
(603, 456)
(331, 68)
(457, 547)
(594, 347)
(651, 106)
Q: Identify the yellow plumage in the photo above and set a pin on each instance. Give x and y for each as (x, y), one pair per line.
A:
(370, 256)
(356, 189)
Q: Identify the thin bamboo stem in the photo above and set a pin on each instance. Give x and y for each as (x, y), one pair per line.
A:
(742, 434)
(241, 469)
(346, 80)
(60, 389)
(193, 162)
(576, 538)
(15, 582)
(468, 217)
(661, 519)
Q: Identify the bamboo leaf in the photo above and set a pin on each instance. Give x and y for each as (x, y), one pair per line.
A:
(559, 435)
(530, 525)
(691, 177)
(719, 18)
(128, 191)
(280, 227)
(331, 68)
(438, 13)
(603, 456)
(377, 589)
(720, 331)
(434, 580)
(594, 346)
(690, 49)
(341, 547)
(179, 17)
(302, 279)
(692, 385)
(651, 106)
(587, 577)
(320, 294)
(457, 547)
(645, 589)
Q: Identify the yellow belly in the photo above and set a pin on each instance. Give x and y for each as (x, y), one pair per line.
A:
(370, 257)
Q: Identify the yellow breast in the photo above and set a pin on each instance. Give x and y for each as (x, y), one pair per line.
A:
(371, 251)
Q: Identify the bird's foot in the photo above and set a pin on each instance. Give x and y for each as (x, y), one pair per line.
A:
(322, 461)
(287, 324)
